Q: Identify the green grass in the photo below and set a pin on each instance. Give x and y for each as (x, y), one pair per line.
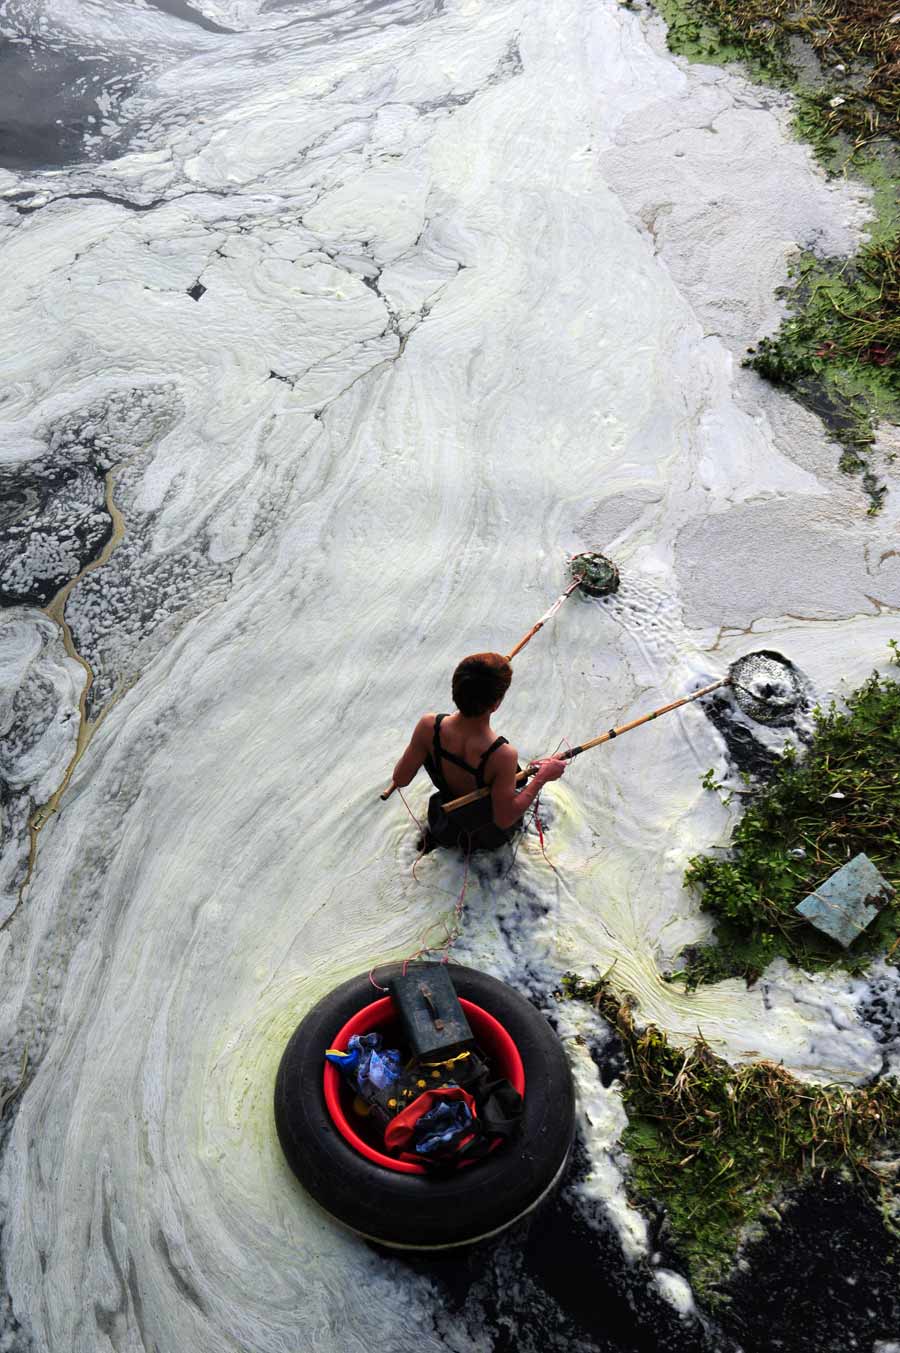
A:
(851, 80)
(838, 351)
(715, 1144)
(843, 797)
(716, 31)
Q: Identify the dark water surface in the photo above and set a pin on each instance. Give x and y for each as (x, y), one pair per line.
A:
(48, 104)
(181, 10)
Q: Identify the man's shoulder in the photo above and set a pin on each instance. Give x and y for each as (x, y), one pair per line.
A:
(504, 754)
(501, 765)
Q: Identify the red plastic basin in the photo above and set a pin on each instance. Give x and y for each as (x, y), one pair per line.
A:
(490, 1036)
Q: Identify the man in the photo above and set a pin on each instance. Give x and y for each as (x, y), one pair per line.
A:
(461, 752)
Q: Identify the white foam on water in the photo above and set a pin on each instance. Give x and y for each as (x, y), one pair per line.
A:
(675, 1290)
(444, 339)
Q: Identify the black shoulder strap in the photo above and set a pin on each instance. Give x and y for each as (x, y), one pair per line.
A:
(442, 753)
(438, 749)
(479, 774)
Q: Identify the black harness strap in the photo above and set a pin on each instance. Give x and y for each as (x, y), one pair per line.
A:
(441, 753)
(479, 774)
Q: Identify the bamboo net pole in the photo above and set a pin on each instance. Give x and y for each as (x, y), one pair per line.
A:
(594, 742)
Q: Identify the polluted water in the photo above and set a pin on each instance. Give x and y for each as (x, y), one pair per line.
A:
(345, 327)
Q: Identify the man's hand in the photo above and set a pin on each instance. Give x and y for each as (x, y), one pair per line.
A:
(508, 802)
(549, 768)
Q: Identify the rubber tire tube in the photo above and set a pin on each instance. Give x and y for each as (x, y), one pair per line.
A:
(425, 1211)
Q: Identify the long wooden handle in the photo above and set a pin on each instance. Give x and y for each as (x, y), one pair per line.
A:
(509, 657)
(524, 640)
(594, 742)
(525, 774)
(645, 718)
(548, 615)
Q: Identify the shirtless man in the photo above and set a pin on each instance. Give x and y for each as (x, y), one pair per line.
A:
(461, 752)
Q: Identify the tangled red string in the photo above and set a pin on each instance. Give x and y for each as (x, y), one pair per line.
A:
(451, 932)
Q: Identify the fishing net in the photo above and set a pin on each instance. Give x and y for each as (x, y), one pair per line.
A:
(767, 688)
(599, 575)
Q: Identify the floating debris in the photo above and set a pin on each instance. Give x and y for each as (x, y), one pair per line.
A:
(848, 901)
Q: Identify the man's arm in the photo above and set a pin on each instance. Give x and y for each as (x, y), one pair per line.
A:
(415, 753)
(508, 803)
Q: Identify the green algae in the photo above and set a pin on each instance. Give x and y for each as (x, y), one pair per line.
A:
(711, 33)
(838, 350)
(813, 815)
(715, 1145)
(841, 54)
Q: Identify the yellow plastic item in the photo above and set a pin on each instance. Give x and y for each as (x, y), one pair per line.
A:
(450, 1061)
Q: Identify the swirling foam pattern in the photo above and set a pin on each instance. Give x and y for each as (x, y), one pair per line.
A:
(423, 295)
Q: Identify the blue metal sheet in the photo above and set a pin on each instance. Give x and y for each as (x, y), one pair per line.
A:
(847, 902)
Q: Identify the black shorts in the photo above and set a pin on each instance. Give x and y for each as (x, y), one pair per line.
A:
(471, 827)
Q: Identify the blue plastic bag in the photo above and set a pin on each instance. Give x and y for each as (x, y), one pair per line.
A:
(442, 1126)
(365, 1064)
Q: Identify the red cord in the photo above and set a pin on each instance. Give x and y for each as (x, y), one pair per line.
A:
(423, 830)
(451, 933)
(536, 818)
(540, 832)
(537, 821)
(410, 811)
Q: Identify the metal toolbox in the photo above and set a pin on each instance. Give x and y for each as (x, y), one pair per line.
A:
(429, 1010)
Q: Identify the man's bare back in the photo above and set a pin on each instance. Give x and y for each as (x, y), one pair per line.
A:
(462, 752)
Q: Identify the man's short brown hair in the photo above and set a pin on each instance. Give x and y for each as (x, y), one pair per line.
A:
(480, 682)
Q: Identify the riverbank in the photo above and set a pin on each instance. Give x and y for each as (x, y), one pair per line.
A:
(816, 811)
(837, 350)
(717, 1146)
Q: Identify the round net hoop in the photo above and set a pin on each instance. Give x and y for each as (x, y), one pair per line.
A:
(599, 575)
(767, 688)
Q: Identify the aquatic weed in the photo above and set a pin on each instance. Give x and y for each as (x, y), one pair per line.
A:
(856, 44)
(812, 816)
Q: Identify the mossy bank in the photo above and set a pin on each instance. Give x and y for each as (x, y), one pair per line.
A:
(717, 1145)
(838, 348)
